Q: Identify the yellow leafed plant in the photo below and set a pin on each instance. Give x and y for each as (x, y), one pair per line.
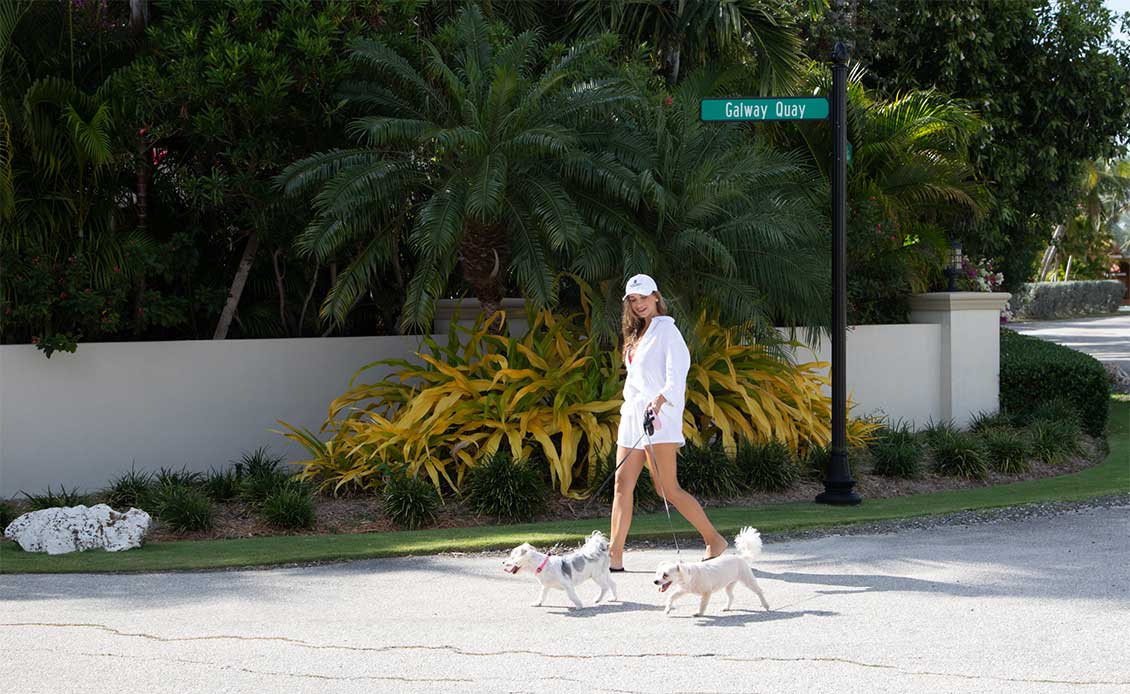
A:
(555, 394)
(742, 391)
(547, 394)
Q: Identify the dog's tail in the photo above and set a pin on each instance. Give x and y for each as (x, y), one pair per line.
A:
(748, 543)
(596, 543)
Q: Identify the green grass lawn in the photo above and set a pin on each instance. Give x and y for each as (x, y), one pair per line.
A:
(1112, 476)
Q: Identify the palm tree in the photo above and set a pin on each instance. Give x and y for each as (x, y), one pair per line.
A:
(757, 33)
(723, 222)
(477, 153)
(1105, 196)
(910, 151)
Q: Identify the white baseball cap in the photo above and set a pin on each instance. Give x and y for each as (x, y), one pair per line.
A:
(640, 284)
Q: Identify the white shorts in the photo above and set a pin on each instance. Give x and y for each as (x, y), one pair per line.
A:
(669, 429)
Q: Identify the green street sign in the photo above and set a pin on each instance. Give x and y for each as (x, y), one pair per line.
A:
(766, 108)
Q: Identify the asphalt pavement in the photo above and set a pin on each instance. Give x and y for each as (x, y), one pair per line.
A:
(1033, 605)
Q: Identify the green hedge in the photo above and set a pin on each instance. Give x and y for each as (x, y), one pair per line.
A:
(1051, 300)
(1034, 372)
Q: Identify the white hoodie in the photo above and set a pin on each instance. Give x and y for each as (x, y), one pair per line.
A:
(659, 366)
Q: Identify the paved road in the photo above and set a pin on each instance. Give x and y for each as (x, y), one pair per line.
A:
(1106, 338)
(1039, 605)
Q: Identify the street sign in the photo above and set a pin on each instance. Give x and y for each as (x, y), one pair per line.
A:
(765, 108)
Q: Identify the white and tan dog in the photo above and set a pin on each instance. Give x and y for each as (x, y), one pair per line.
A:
(705, 578)
(566, 571)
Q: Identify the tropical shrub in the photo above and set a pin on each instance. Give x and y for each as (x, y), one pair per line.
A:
(170, 477)
(1051, 300)
(814, 462)
(983, 421)
(289, 506)
(1056, 410)
(1035, 371)
(131, 489)
(222, 485)
(505, 488)
(767, 467)
(708, 471)
(1008, 450)
(897, 452)
(741, 390)
(1054, 441)
(897, 458)
(8, 513)
(259, 475)
(182, 508)
(552, 392)
(255, 489)
(51, 499)
(959, 454)
(550, 389)
(410, 502)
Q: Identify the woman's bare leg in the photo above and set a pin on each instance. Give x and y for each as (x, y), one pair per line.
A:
(665, 475)
(622, 499)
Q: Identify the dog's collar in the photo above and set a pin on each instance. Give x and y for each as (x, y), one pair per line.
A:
(546, 560)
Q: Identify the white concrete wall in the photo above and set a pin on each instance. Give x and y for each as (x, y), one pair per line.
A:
(82, 419)
(892, 370)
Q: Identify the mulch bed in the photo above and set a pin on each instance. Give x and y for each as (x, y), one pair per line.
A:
(362, 513)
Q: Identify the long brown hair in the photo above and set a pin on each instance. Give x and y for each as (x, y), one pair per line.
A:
(632, 325)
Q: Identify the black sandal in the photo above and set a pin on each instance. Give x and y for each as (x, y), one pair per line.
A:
(615, 571)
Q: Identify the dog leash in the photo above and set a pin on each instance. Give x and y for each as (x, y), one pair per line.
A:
(612, 474)
(648, 430)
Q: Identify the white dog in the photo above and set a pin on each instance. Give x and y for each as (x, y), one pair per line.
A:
(567, 571)
(704, 578)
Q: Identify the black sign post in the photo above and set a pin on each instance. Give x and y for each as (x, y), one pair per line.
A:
(838, 484)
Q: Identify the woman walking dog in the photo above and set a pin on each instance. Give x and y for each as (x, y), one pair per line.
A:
(657, 360)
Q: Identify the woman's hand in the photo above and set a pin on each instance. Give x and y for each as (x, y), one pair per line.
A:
(656, 404)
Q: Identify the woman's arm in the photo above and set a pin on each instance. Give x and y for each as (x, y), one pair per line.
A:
(677, 362)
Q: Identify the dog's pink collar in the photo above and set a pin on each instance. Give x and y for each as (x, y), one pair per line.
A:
(545, 561)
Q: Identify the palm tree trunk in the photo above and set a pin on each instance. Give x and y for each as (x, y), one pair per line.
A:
(671, 58)
(237, 284)
(281, 289)
(138, 16)
(1049, 254)
(486, 258)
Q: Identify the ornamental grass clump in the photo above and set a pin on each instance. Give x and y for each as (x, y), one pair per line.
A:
(708, 471)
(814, 462)
(182, 508)
(289, 506)
(222, 485)
(899, 458)
(766, 467)
(897, 452)
(8, 513)
(959, 454)
(1055, 441)
(983, 421)
(410, 502)
(505, 488)
(129, 490)
(51, 499)
(1008, 450)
